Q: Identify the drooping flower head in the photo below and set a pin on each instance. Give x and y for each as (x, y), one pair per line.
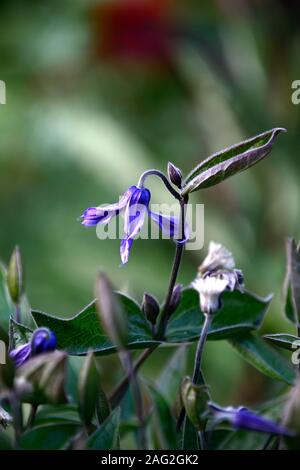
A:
(43, 340)
(216, 274)
(135, 205)
(243, 418)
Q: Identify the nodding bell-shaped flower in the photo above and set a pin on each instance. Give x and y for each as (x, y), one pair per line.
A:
(243, 418)
(216, 274)
(135, 205)
(43, 340)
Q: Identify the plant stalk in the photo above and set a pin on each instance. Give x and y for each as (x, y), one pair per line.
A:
(120, 390)
(197, 375)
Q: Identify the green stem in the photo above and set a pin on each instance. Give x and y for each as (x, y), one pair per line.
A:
(202, 440)
(197, 375)
(32, 414)
(164, 179)
(16, 411)
(200, 347)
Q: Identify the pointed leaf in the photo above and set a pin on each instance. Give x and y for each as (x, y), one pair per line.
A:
(88, 388)
(48, 437)
(264, 358)
(83, 332)
(164, 428)
(291, 288)
(239, 312)
(6, 307)
(283, 341)
(230, 161)
(169, 380)
(19, 334)
(107, 436)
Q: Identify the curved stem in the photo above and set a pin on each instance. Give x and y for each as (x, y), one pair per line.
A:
(200, 347)
(164, 179)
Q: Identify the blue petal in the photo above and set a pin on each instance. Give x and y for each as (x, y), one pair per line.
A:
(94, 215)
(135, 212)
(21, 354)
(171, 226)
(246, 419)
(103, 214)
(125, 248)
(242, 418)
(43, 340)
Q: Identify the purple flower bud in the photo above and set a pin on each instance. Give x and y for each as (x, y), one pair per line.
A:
(43, 340)
(176, 298)
(21, 354)
(175, 175)
(150, 307)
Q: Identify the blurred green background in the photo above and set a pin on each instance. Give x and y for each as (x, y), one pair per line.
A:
(99, 91)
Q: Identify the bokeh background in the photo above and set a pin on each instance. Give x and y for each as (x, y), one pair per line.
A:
(99, 91)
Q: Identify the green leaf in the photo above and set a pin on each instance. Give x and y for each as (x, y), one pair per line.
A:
(46, 375)
(169, 380)
(6, 307)
(57, 414)
(5, 440)
(264, 358)
(88, 389)
(190, 440)
(107, 436)
(239, 312)
(164, 426)
(291, 286)
(230, 161)
(19, 334)
(283, 341)
(103, 408)
(82, 333)
(48, 437)
(238, 440)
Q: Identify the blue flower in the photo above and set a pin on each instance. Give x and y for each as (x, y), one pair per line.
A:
(243, 418)
(135, 205)
(43, 340)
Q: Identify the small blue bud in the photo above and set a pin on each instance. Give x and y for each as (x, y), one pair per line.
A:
(43, 340)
